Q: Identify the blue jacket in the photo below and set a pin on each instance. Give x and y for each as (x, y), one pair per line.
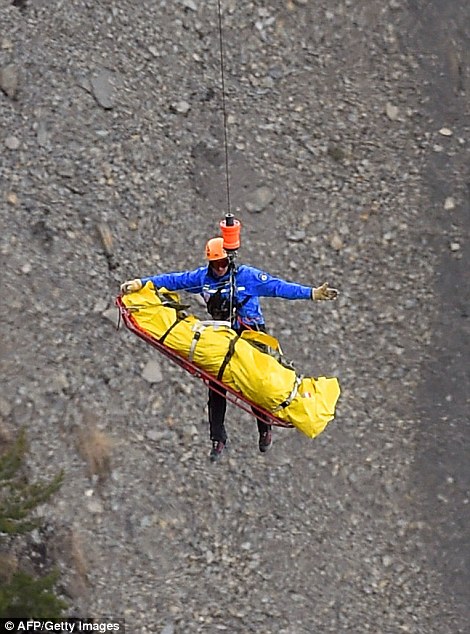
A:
(250, 285)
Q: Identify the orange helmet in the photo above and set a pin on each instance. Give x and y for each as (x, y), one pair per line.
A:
(215, 249)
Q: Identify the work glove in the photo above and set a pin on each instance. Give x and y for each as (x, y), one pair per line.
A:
(131, 286)
(324, 292)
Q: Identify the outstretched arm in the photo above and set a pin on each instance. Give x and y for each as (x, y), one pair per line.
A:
(265, 285)
(190, 281)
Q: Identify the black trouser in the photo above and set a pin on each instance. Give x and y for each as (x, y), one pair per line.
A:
(217, 405)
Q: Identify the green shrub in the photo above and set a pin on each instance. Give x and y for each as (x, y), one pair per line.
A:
(27, 597)
(21, 594)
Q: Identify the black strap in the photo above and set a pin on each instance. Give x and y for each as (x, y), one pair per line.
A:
(165, 335)
(292, 395)
(194, 342)
(168, 302)
(228, 356)
(283, 404)
(243, 302)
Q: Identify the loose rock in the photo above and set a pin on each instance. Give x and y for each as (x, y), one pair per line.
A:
(152, 372)
(259, 199)
(102, 84)
(12, 142)
(391, 111)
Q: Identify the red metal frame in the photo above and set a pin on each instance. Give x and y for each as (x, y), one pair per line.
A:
(232, 395)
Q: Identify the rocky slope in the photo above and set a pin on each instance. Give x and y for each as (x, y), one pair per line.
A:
(113, 166)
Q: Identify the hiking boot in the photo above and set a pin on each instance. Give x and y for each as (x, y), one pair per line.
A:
(217, 450)
(265, 441)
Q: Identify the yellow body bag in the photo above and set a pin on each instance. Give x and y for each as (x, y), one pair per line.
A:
(241, 362)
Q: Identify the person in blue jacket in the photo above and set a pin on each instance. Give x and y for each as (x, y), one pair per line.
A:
(231, 294)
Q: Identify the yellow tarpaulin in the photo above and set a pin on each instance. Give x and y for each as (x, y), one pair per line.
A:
(307, 403)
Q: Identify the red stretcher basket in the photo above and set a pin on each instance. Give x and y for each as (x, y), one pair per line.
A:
(232, 395)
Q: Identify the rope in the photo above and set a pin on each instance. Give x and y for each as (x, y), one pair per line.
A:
(223, 105)
(232, 291)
